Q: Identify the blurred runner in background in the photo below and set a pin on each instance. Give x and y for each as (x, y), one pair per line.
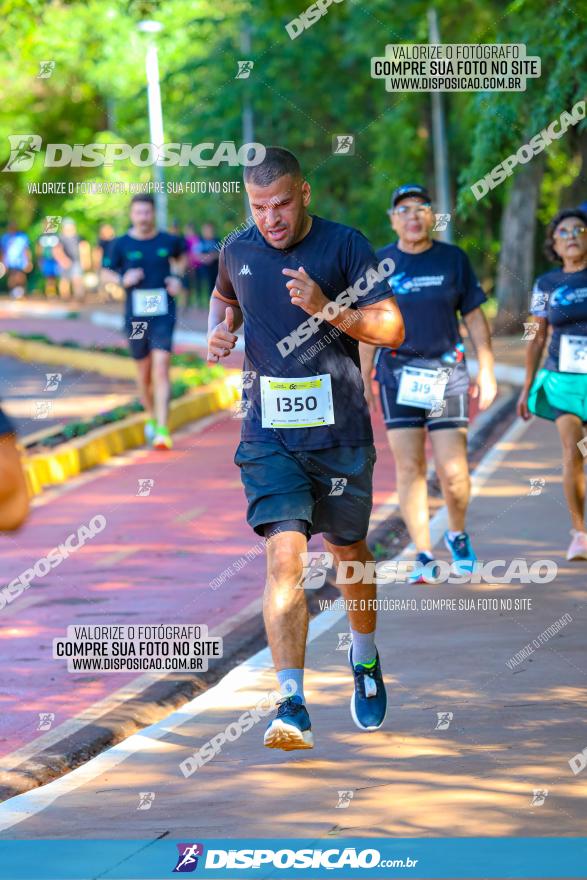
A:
(108, 288)
(193, 262)
(208, 252)
(149, 264)
(48, 265)
(15, 249)
(73, 256)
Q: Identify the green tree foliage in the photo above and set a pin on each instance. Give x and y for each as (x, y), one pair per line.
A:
(302, 92)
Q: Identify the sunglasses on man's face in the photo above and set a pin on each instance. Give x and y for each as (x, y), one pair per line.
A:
(575, 232)
(404, 210)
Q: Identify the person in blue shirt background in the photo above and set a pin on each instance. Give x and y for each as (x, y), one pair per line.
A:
(207, 250)
(15, 252)
(559, 391)
(424, 384)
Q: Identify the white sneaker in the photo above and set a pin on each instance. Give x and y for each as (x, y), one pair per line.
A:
(578, 546)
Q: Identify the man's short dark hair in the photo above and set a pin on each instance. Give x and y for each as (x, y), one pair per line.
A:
(277, 163)
(143, 197)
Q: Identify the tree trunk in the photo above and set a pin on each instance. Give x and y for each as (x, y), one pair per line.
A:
(516, 260)
(573, 195)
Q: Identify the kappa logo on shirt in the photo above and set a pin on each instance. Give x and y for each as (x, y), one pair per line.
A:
(245, 270)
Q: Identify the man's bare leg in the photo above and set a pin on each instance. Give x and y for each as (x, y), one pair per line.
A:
(286, 622)
(145, 384)
(369, 700)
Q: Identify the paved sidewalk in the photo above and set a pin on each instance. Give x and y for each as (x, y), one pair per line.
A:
(36, 403)
(153, 563)
(471, 770)
(96, 324)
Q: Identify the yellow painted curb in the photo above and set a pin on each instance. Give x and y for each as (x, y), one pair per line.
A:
(70, 459)
(113, 365)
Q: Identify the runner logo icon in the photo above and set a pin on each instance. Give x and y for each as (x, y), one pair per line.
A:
(316, 565)
(23, 148)
(187, 860)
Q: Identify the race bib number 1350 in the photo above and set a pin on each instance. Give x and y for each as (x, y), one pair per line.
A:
(296, 403)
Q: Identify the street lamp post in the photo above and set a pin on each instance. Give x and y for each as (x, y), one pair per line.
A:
(439, 140)
(155, 117)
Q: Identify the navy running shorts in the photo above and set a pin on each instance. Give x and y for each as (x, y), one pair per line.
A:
(454, 412)
(145, 334)
(329, 489)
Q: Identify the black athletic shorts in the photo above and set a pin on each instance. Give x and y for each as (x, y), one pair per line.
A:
(329, 489)
(145, 334)
(452, 413)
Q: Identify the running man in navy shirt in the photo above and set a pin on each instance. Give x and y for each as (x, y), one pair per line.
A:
(142, 260)
(424, 383)
(306, 291)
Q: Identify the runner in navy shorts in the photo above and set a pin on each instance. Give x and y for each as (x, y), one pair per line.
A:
(424, 383)
(149, 264)
(306, 291)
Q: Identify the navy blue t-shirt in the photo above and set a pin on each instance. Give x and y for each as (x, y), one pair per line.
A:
(431, 288)
(250, 274)
(561, 298)
(6, 426)
(152, 255)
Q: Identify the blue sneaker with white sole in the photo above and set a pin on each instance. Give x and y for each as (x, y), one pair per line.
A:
(291, 728)
(462, 552)
(425, 571)
(369, 701)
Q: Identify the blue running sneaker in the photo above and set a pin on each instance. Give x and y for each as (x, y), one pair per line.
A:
(463, 555)
(425, 570)
(369, 701)
(291, 728)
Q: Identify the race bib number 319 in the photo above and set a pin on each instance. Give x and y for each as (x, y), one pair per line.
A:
(421, 387)
(296, 403)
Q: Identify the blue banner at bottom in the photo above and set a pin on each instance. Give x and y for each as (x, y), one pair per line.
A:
(417, 858)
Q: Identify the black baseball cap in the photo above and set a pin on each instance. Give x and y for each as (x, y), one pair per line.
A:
(409, 189)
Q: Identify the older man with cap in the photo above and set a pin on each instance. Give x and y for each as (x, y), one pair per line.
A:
(424, 384)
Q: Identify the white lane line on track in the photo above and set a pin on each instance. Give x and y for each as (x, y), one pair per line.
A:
(134, 688)
(246, 674)
(129, 691)
(23, 806)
